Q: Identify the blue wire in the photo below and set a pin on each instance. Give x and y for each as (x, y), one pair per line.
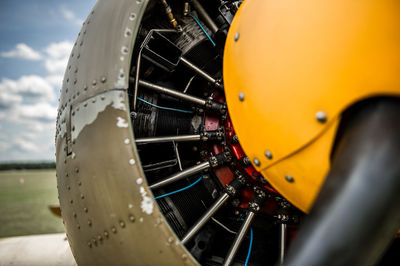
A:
(165, 108)
(250, 246)
(195, 19)
(179, 190)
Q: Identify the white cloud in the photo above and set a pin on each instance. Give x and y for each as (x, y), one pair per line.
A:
(55, 80)
(39, 112)
(29, 88)
(70, 16)
(25, 145)
(22, 51)
(28, 107)
(57, 57)
(59, 50)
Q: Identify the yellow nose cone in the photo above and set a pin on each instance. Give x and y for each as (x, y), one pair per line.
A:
(292, 67)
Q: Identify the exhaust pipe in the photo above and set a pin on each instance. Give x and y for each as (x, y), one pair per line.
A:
(357, 211)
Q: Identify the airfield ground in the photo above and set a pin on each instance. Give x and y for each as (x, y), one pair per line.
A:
(24, 199)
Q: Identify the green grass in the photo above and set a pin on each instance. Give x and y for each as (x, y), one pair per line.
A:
(24, 199)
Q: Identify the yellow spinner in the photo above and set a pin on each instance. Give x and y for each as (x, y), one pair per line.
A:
(291, 72)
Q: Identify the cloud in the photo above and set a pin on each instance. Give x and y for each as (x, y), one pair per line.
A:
(57, 57)
(24, 145)
(59, 49)
(22, 51)
(70, 16)
(31, 88)
(28, 106)
(39, 112)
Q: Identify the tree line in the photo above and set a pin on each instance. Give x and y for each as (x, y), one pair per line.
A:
(27, 165)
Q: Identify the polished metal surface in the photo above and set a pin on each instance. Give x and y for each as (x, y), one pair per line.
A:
(173, 93)
(283, 235)
(198, 70)
(239, 238)
(178, 176)
(210, 212)
(180, 138)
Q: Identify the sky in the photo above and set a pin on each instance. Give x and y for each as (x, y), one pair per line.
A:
(36, 38)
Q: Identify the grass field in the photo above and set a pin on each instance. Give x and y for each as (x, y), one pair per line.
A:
(24, 199)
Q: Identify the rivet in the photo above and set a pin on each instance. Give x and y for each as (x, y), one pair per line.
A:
(289, 178)
(76, 170)
(94, 82)
(103, 79)
(124, 50)
(82, 196)
(236, 38)
(131, 161)
(268, 154)
(128, 32)
(68, 187)
(78, 226)
(89, 244)
(75, 81)
(106, 234)
(126, 141)
(184, 257)
(256, 161)
(75, 215)
(89, 222)
(99, 237)
(73, 128)
(102, 97)
(79, 183)
(71, 201)
(131, 218)
(85, 88)
(132, 16)
(321, 116)
(94, 100)
(114, 230)
(241, 96)
(122, 224)
(85, 210)
(170, 240)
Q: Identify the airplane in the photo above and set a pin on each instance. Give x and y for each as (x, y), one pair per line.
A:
(194, 132)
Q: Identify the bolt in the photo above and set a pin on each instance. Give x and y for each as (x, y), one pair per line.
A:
(289, 178)
(241, 96)
(268, 154)
(236, 38)
(256, 162)
(321, 116)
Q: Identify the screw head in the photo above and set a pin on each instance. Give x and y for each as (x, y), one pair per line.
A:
(321, 116)
(236, 37)
(268, 154)
(241, 96)
(289, 178)
(256, 161)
